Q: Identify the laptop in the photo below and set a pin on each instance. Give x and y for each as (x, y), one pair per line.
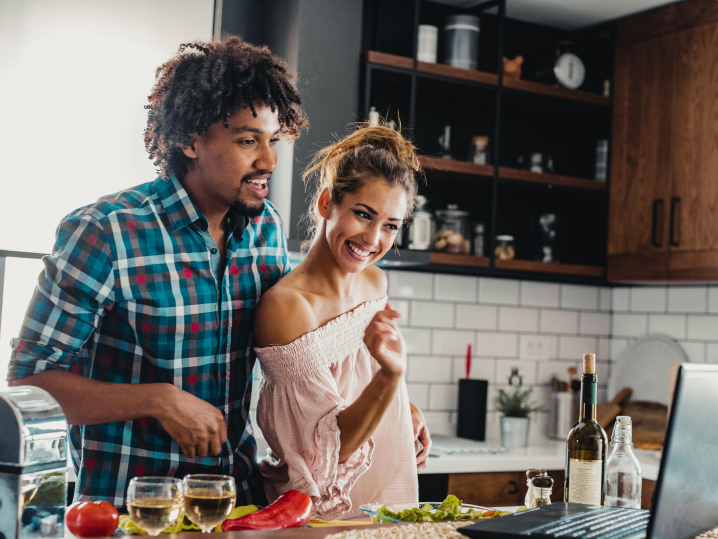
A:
(685, 500)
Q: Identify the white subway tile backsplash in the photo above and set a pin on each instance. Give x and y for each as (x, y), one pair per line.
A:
(528, 370)
(618, 346)
(695, 351)
(538, 347)
(539, 294)
(443, 397)
(476, 316)
(713, 299)
(703, 327)
(595, 324)
(419, 395)
(579, 297)
(493, 428)
(629, 325)
(602, 371)
(418, 341)
(451, 343)
(402, 306)
(498, 291)
(440, 423)
(604, 299)
(712, 355)
(455, 288)
(619, 299)
(432, 314)
(497, 344)
(604, 349)
(538, 427)
(650, 299)
(673, 325)
(410, 284)
(518, 319)
(687, 299)
(548, 369)
(573, 348)
(481, 369)
(429, 369)
(565, 322)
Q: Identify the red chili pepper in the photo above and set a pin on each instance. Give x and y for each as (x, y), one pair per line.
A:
(291, 510)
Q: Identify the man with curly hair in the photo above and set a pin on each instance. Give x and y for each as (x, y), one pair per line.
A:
(141, 323)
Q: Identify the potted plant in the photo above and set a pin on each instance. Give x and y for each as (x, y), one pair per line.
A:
(515, 407)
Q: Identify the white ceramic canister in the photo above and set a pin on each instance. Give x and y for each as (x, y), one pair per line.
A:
(428, 43)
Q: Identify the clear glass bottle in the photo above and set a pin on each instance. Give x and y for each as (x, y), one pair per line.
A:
(623, 471)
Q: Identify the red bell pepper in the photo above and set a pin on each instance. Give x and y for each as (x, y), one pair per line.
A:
(291, 510)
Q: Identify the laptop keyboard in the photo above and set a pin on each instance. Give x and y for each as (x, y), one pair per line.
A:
(445, 445)
(600, 524)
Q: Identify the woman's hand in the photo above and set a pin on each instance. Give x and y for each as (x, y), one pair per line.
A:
(385, 343)
(421, 433)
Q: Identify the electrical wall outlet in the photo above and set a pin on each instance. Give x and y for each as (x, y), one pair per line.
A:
(534, 347)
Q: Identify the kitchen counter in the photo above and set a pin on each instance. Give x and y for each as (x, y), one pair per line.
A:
(549, 456)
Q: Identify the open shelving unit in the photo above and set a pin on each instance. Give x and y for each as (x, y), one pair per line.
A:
(519, 116)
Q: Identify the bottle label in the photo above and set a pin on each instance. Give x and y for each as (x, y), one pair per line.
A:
(584, 484)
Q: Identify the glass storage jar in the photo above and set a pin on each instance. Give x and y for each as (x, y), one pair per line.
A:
(452, 234)
(504, 248)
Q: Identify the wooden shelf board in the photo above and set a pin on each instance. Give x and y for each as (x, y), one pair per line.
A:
(542, 267)
(456, 166)
(557, 91)
(459, 260)
(553, 179)
(471, 75)
(392, 60)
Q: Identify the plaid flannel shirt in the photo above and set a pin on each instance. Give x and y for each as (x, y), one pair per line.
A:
(130, 295)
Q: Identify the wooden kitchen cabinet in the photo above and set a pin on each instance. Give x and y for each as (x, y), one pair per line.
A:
(663, 209)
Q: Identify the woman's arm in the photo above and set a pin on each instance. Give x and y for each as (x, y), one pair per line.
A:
(360, 419)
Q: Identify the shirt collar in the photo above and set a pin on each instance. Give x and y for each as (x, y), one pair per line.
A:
(181, 211)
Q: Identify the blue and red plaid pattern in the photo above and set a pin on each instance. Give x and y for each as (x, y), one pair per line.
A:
(129, 296)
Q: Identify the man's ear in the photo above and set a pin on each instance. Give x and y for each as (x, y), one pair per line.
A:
(189, 150)
(323, 203)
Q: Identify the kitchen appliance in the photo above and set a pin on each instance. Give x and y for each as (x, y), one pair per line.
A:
(684, 501)
(471, 420)
(428, 42)
(33, 464)
(421, 229)
(461, 41)
(564, 68)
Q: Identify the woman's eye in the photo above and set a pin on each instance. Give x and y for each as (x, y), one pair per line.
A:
(393, 228)
(362, 214)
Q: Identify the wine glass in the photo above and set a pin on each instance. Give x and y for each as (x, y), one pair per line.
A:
(208, 499)
(154, 503)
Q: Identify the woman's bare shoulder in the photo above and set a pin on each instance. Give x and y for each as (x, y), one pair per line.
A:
(375, 280)
(283, 315)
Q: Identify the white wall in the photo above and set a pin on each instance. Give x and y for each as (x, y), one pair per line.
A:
(74, 78)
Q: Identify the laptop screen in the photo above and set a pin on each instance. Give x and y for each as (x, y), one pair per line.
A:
(686, 500)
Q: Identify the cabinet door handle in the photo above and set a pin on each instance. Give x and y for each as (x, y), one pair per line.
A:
(675, 201)
(514, 487)
(654, 223)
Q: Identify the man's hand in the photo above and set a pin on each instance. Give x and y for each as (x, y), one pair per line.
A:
(421, 433)
(198, 427)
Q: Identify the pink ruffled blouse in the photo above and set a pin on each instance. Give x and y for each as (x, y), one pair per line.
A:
(305, 385)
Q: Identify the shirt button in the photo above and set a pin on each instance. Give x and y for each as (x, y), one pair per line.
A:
(214, 251)
(224, 374)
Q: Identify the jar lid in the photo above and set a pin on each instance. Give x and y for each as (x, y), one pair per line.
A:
(461, 22)
(533, 472)
(479, 227)
(504, 238)
(452, 212)
(480, 140)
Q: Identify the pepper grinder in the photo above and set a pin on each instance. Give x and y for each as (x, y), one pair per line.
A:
(542, 486)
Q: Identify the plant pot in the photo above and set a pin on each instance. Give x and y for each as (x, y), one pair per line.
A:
(514, 431)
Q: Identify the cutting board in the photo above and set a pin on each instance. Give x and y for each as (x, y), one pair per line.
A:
(649, 421)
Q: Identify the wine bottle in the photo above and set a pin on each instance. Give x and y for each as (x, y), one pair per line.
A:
(586, 446)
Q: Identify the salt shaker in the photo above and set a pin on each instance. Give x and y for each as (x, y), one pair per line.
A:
(530, 474)
(542, 485)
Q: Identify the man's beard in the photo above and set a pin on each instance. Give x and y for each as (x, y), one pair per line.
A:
(241, 208)
(253, 210)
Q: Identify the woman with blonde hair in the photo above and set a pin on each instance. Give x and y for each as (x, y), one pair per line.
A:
(333, 404)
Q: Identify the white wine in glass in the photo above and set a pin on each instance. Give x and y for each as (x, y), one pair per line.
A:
(209, 499)
(154, 503)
